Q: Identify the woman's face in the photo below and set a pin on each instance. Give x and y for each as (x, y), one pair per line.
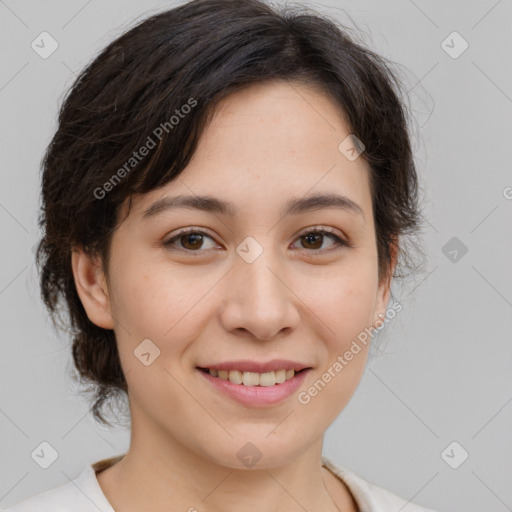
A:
(256, 283)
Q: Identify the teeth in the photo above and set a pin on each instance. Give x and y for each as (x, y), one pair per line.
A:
(236, 377)
(254, 379)
(250, 379)
(280, 376)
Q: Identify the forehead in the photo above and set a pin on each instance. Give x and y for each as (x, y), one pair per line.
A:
(269, 143)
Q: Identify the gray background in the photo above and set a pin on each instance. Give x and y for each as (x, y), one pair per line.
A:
(446, 375)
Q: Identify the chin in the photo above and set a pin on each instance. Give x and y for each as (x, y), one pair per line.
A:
(262, 451)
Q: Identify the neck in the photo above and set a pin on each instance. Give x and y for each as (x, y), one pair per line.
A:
(157, 471)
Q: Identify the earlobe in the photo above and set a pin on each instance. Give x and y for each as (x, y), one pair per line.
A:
(92, 288)
(382, 302)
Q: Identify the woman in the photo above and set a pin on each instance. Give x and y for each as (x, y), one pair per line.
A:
(225, 202)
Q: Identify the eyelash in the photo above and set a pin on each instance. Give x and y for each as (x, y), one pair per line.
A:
(339, 242)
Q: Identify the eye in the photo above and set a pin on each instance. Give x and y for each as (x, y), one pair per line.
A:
(314, 239)
(191, 240)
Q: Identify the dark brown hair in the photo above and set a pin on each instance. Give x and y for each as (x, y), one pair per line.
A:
(134, 94)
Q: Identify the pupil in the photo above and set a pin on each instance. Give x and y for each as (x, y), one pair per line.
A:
(315, 237)
(196, 239)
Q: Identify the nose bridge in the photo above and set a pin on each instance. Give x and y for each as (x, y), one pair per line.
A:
(262, 282)
(259, 301)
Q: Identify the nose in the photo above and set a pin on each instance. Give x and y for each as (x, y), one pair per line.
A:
(258, 300)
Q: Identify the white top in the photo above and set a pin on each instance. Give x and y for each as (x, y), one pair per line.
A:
(84, 494)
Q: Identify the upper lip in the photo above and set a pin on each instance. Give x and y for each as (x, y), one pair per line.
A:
(245, 365)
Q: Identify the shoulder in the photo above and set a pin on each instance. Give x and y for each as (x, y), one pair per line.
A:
(368, 496)
(57, 499)
(78, 495)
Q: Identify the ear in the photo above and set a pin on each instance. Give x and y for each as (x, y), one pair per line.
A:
(91, 286)
(384, 289)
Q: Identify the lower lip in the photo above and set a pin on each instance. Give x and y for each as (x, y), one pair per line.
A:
(257, 396)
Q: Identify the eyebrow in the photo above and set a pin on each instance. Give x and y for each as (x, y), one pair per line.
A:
(211, 204)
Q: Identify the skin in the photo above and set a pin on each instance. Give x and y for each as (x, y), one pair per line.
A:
(298, 300)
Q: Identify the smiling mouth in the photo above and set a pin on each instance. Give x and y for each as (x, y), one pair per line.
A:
(267, 379)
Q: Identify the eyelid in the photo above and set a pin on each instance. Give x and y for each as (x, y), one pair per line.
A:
(341, 240)
(167, 241)
(317, 227)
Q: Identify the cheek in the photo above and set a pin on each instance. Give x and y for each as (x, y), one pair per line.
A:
(356, 301)
(159, 302)
(346, 301)
(138, 304)
(345, 306)
(147, 295)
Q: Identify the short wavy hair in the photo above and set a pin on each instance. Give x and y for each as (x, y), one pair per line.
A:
(204, 50)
